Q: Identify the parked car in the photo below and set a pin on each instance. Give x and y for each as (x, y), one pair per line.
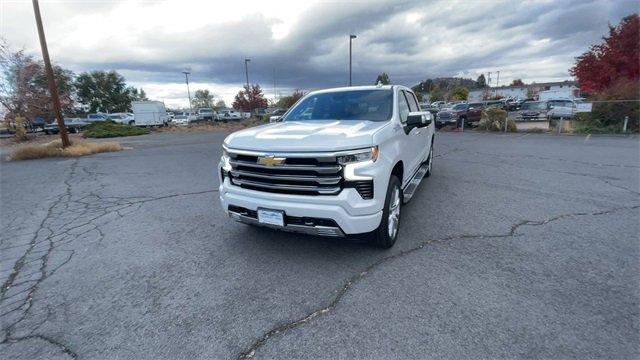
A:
(35, 124)
(170, 115)
(260, 113)
(181, 119)
(493, 104)
(96, 117)
(73, 125)
(207, 114)
(276, 115)
(561, 109)
(469, 113)
(229, 115)
(438, 104)
(364, 153)
(533, 111)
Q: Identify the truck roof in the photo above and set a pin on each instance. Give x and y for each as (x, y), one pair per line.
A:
(351, 88)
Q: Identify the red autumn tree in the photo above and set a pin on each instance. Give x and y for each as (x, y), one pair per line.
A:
(612, 60)
(250, 98)
(288, 101)
(517, 82)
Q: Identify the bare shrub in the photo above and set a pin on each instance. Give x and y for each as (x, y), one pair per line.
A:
(54, 149)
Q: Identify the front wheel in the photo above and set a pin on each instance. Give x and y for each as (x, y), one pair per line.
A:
(387, 232)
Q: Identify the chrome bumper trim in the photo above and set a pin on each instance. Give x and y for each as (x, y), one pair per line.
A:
(310, 230)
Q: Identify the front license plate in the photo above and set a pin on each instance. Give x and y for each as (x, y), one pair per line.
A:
(271, 217)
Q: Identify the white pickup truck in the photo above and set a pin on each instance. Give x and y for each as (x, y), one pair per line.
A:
(341, 162)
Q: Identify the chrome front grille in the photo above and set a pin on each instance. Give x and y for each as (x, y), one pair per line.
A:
(299, 175)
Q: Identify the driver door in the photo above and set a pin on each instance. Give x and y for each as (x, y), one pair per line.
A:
(413, 145)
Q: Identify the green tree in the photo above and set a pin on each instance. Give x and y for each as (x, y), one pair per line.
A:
(383, 78)
(436, 94)
(220, 104)
(105, 91)
(459, 93)
(139, 95)
(481, 82)
(202, 99)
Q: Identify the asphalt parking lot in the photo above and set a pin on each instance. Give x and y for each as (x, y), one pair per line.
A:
(517, 246)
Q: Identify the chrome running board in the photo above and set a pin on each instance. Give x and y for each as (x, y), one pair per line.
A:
(411, 187)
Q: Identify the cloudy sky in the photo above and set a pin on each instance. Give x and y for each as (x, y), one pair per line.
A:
(306, 43)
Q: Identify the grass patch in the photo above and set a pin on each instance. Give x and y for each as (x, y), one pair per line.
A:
(107, 129)
(54, 149)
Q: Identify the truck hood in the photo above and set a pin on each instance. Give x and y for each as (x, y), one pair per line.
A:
(315, 135)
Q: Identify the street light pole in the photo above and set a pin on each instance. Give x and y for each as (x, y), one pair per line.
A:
(186, 78)
(246, 71)
(50, 79)
(351, 37)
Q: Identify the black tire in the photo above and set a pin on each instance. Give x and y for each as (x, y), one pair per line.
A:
(132, 122)
(381, 237)
(429, 161)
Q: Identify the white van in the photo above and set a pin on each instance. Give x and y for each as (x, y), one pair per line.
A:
(149, 113)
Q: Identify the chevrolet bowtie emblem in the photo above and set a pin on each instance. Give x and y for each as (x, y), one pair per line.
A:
(270, 160)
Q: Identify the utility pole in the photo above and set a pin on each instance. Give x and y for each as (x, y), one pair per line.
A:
(275, 89)
(498, 79)
(50, 79)
(489, 83)
(351, 37)
(246, 71)
(186, 73)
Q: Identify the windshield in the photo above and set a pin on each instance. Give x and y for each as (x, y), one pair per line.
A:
(534, 106)
(372, 105)
(460, 107)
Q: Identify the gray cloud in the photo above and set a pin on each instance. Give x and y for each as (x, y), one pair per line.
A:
(410, 40)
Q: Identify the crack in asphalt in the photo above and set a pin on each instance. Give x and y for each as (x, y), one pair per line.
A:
(69, 218)
(49, 340)
(250, 352)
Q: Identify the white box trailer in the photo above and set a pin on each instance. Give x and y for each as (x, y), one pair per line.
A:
(149, 113)
(556, 94)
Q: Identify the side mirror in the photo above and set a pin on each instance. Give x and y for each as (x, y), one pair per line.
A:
(418, 119)
(275, 118)
(550, 106)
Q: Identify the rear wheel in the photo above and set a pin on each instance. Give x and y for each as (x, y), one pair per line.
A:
(387, 232)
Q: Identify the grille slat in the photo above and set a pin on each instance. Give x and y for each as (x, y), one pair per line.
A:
(329, 180)
(296, 175)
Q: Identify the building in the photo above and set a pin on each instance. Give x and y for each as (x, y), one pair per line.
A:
(564, 89)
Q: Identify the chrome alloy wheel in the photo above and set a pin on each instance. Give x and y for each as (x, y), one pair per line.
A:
(394, 213)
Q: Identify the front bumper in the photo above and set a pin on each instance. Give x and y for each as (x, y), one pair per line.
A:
(348, 210)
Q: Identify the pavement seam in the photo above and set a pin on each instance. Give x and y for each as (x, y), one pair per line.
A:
(250, 352)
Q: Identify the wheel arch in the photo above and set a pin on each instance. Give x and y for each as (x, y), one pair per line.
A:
(398, 170)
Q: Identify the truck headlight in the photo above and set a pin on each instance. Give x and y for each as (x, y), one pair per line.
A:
(225, 161)
(370, 154)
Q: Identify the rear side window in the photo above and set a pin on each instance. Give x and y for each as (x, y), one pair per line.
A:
(411, 100)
